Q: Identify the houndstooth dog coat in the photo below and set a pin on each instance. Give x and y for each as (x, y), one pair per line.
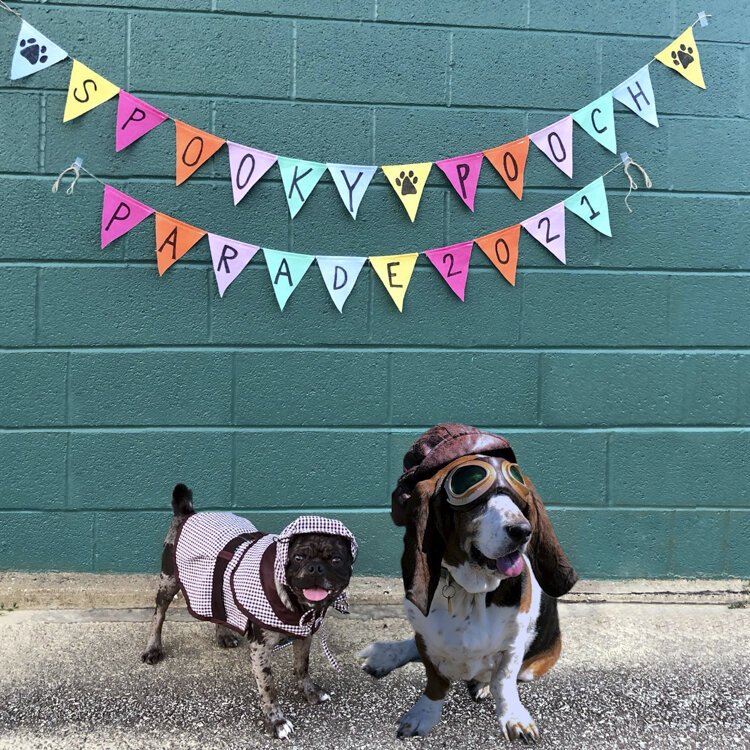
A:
(228, 572)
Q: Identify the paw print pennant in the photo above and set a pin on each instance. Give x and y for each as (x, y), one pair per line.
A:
(408, 181)
(34, 52)
(682, 55)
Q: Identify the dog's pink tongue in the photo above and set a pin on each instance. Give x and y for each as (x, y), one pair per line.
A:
(315, 595)
(511, 565)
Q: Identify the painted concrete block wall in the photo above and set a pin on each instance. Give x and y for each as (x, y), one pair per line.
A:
(622, 379)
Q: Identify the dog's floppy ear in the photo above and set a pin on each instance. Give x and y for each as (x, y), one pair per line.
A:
(551, 566)
(424, 546)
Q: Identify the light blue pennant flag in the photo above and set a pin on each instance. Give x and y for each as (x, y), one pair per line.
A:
(598, 120)
(637, 93)
(286, 271)
(340, 275)
(299, 178)
(590, 203)
(351, 181)
(33, 52)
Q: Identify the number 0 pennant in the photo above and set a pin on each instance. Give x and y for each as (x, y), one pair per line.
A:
(502, 250)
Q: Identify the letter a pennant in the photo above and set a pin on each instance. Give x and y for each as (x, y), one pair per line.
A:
(135, 118)
(34, 52)
(194, 148)
(339, 274)
(286, 271)
(598, 120)
(590, 203)
(229, 259)
(548, 227)
(299, 178)
(463, 174)
(408, 181)
(510, 161)
(502, 250)
(682, 55)
(637, 93)
(86, 90)
(120, 213)
(351, 181)
(556, 143)
(173, 239)
(395, 272)
(453, 264)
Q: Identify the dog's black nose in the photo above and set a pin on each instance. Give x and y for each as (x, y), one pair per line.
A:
(315, 568)
(519, 532)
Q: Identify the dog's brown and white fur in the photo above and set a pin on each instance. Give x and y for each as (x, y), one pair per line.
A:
(471, 623)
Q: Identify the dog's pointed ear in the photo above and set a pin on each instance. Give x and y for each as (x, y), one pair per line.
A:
(551, 566)
(424, 546)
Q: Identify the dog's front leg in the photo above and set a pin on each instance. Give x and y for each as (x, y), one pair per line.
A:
(314, 693)
(168, 587)
(515, 720)
(260, 659)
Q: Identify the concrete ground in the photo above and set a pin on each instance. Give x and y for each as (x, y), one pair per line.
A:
(645, 665)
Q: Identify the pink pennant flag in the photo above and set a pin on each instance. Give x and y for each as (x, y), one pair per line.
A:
(120, 213)
(453, 264)
(463, 173)
(135, 118)
(247, 165)
(556, 143)
(229, 259)
(548, 227)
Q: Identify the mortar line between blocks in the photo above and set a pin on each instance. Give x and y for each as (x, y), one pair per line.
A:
(128, 30)
(42, 131)
(293, 92)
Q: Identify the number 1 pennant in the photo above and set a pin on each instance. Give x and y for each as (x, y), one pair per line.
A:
(590, 203)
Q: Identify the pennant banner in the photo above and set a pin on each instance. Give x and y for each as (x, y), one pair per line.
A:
(351, 181)
(453, 264)
(34, 52)
(598, 120)
(339, 274)
(637, 94)
(682, 55)
(408, 181)
(286, 271)
(194, 148)
(135, 118)
(120, 213)
(502, 250)
(510, 161)
(548, 227)
(86, 90)
(556, 143)
(299, 178)
(395, 272)
(247, 165)
(590, 203)
(173, 239)
(463, 174)
(229, 259)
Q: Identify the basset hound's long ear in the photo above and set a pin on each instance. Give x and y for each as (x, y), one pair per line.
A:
(424, 546)
(551, 566)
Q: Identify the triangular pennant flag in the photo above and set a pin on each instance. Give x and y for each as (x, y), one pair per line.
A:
(395, 272)
(556, 143)
(246, 166)
(548, 227)
(408, 181)
(229, 259)
(193, 149)
(510, 161)
(339, 274)
(463, 174)
(33, 52)
(351, 181)
(590, 203)
(135, 118)
(120, 213)
(682, 55)
(637, 93)
(299, 178)
(502, 250)
(453, 264)
(173, 239)
(598, 120)
(86, 91)
(286, 271)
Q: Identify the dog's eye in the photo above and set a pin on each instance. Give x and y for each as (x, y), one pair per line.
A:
(335, 560)
(465, 477)
(299, 558)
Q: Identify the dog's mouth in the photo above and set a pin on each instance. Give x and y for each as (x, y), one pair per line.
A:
(509, 565)
(316, 594)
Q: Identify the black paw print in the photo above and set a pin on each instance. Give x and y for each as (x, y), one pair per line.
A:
(683, 56)
(407, 182)
(32, 51)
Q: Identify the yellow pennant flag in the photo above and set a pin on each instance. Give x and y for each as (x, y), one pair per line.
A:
(408, 181)
(395, 272)
(86, 90)
(682, 55)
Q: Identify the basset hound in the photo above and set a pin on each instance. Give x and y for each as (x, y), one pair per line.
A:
(482, 568)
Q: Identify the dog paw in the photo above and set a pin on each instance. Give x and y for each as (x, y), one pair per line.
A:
(225, 640)
(382, 657)
(315, 694)
(421, 719)
(152, 655)
(517, 724)
(282, 729)
(477, 690)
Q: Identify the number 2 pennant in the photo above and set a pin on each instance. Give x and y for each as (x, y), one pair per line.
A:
(548, 228)
(452, 262)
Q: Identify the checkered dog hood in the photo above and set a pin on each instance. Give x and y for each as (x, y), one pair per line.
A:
(228, 572)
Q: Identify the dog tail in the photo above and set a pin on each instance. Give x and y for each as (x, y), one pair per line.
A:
(182, 500)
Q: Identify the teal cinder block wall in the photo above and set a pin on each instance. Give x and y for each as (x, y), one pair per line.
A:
(623, 379)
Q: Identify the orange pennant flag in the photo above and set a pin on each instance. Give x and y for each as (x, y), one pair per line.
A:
(502, 250)
(173, 239)
(510, 161)
(194, 148)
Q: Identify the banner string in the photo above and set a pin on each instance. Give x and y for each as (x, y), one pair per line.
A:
(10, 10)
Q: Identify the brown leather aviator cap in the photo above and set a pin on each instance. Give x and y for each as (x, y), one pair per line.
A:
(437, 448)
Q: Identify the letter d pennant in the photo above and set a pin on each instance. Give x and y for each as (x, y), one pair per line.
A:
(340, 275)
